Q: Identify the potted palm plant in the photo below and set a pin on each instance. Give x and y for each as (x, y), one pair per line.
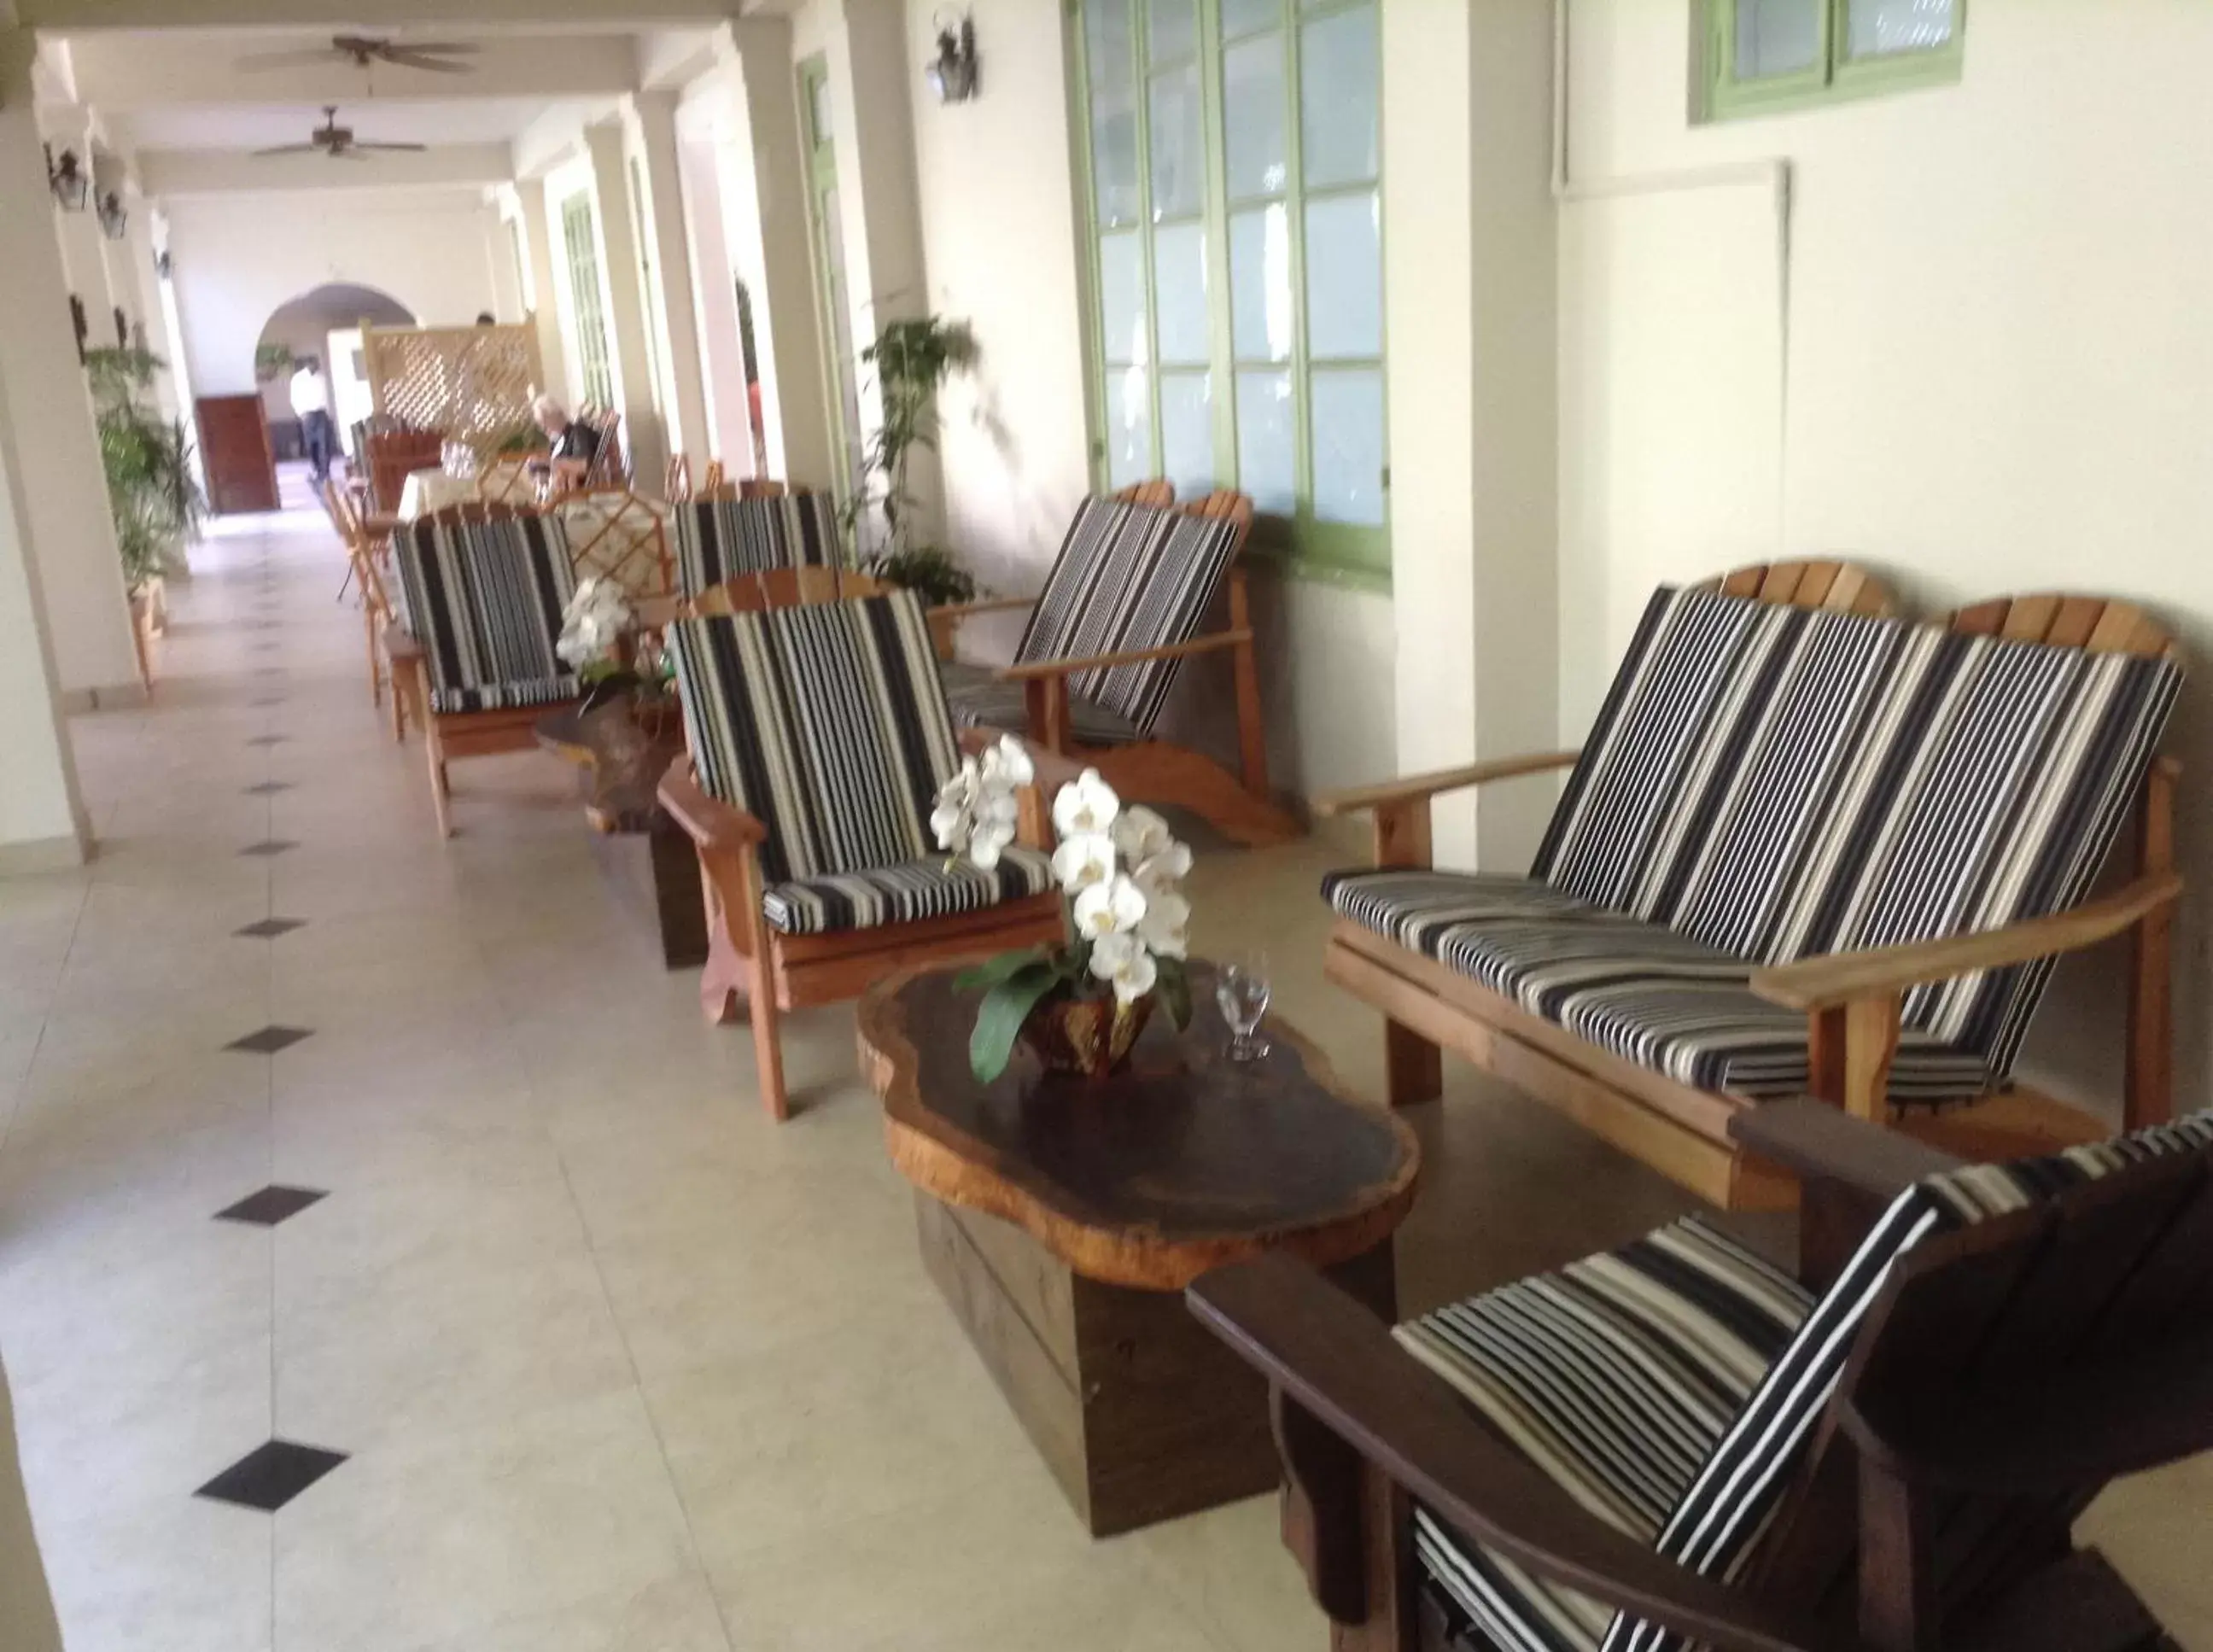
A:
(152, 493)
(913, 360)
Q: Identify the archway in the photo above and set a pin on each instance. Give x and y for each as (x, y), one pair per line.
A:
(325, 323)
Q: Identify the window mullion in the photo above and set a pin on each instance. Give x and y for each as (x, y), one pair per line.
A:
(1141, 94)
(1221, 368)
(1295, 230)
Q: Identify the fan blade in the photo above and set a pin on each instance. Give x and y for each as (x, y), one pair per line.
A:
(312, 56)
(401, 57)
(290, 148)
(444, 48)
(388, 148)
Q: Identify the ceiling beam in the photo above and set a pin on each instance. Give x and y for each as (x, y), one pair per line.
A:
(365, 15)
(118, 74)
(169, 173)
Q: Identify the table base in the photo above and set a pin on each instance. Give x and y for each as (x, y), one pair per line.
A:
(1141, 1413)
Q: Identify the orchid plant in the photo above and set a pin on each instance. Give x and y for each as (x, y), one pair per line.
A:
(592, 628)
(1121, 871)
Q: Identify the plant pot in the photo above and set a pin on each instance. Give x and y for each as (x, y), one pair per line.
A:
(607, 691)
(1092, 1037)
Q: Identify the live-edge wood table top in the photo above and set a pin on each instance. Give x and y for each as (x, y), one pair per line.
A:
(1183, 1162)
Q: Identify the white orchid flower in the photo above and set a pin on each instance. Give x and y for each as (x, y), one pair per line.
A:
(1119, 959)
(1008, 763)
(1079, 863)
(1085, 805)
(1140, 833)
(1114, 907)
(955, 817)
(1165, 927)
(989, 842)
(1159, 873)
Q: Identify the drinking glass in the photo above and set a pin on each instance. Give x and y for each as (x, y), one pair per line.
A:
(1240, 988)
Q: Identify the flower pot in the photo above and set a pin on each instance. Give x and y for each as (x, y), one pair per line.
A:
(1089, 1036)
(609, 690)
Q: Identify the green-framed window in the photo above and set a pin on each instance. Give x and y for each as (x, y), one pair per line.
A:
(580, 243)
(1763, 56)
(640, 229)
(1232, 180)
(826, 245)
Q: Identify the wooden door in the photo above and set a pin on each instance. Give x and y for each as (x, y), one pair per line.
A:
(241, 471)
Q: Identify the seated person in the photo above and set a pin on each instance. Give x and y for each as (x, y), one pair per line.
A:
(569, 439)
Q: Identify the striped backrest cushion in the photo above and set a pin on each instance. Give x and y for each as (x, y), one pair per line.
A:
(826, 723)
(1779, 783)
(720, 538)
(1128, 577)
(1720, 1520)
(486, 598)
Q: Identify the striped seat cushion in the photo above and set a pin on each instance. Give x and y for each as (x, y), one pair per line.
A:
(1778, 783)
(826, 723)
(901, 894)
(1128, 577)
(1662, 1000)
(717, 539)
(1617, 1377)
(1716, 1528)
(485, 599)
(979, 700)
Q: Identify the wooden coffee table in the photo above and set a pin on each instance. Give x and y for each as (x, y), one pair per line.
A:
(1061, 1219)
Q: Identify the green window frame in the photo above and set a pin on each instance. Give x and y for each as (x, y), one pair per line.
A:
(649, 293)
(580, 242)
(1199, 363)
(1840, 61)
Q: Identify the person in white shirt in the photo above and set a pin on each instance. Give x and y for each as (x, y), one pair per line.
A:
(311, 400)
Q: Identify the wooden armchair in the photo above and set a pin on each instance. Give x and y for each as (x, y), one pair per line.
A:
(486, 587)
(1120, 612)
(367, 559)
(395, 455)
(810, 803)
(1678, 1444)
(620, 537)
(1806, 848)
(750, 527)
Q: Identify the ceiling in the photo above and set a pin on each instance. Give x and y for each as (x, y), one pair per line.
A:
(262, 125)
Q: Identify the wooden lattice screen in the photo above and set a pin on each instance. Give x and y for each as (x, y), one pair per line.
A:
(471, 384)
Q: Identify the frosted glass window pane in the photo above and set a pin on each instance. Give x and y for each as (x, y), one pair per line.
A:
(1337, 92)
(1187, 433)
(1777, 37)
(1252, 102)
(1129, 426)
(1179, 289)
(1122, 298)
(1171, 30)
(1267, 431)
(1345, 277)
(1179, 153)
(1114, 155)
(1108, 48)
(1260, 284)
(1243, 17)
(1879, 27)
(1348, 441)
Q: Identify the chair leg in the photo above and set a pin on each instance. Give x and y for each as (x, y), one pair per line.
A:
(768, 1044)
(1413, 1068)
(1251, 720)
(441, 791)
(376, 676)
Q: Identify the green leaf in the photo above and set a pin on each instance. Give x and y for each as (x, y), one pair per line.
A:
(995, 969)
(1174, 986)
(1000, 1018)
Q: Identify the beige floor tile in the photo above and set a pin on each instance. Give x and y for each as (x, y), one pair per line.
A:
(675, 1614)
(180, 1574)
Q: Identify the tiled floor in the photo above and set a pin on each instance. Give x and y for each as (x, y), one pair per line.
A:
(616, 1366)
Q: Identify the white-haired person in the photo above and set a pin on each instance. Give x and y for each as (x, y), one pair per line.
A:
(569, 439)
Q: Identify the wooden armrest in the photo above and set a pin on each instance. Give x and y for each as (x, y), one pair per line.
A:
(1037, 669)
(712, 823)
(1337, 1362)
(1838, 978)
(1817, 1140)
(957, 611)
(1417, 788)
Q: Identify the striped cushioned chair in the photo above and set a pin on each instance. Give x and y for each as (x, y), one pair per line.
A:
(1684, 1393)
(719, 538)
(1767, 785)
(820, 739)
(1121, 611)
(483, 587)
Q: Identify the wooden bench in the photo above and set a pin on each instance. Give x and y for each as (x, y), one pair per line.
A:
(1737, 898)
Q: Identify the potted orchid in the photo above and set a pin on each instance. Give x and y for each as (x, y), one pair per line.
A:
(598, 641)
(1081, 1005)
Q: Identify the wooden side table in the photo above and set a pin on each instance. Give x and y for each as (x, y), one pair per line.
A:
(1061, 1218)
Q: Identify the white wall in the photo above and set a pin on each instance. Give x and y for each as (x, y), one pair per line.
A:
(1998, 373)
(237, 258)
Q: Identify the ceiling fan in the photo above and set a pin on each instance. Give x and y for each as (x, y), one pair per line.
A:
(366, 51)
(338, 143)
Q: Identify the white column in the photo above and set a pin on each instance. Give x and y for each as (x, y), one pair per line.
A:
(627, 317)
(544, 311)
(1468, 280)
(764, 202)
(63, 495)
(670, 308)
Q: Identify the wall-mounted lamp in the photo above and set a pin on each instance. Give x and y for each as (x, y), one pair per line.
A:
(952, 72)
(79, 324)
(163, 264)
(68, 179)
(114, 216)
(122, 329)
